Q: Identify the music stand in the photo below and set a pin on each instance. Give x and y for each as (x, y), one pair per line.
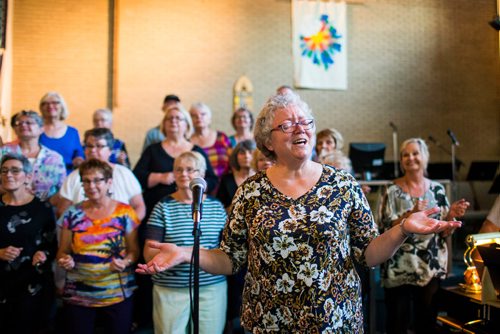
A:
(482, 170)
(440, 171)
(495, 187)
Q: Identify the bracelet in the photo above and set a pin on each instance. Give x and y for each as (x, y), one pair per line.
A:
(405, 233)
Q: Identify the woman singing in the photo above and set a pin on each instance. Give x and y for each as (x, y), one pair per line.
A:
(97, 249)
(27, 247)
(297, 226)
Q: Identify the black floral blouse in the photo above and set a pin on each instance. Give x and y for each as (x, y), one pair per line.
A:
(421, 257)
(301, 277)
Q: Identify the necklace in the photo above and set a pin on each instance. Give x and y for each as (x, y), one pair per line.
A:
(420, 190)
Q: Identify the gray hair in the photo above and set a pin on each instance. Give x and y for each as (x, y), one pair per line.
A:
(64, 108)
(100, 133)
(105, 111)
(424, 151)
(27, 167)
(263, 124)
(202, 106)
(28, 113)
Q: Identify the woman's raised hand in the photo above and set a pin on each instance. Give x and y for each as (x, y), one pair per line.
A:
(421, 223)
(169, 256)
(458, 208)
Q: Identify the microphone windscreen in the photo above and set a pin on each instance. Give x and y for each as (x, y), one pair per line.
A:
(198, 182)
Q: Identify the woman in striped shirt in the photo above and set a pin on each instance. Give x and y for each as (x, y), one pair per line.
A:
(171, 221)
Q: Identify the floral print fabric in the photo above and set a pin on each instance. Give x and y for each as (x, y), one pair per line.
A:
(421, 257)
(301, 276)
(49, 170)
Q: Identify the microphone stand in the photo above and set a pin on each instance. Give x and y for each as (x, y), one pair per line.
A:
(454, 170)
(196, 265)
(395, 148)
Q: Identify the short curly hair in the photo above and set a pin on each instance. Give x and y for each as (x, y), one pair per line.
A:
(263, 124)
(98, 166)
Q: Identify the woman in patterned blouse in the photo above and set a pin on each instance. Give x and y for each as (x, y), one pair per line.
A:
(297, 226)
(411, 277)
(49, 170)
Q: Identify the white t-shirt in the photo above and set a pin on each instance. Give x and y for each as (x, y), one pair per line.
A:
(494, 214)
(125, 186)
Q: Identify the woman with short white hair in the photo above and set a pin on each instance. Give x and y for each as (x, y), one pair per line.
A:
(57, 135)
(103, 118)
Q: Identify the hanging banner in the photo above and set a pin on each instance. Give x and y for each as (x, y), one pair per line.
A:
(319, 33)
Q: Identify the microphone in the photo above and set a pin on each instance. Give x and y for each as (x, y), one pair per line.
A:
(433, 140)
(453, 137)
(393, 126)
(197, 186)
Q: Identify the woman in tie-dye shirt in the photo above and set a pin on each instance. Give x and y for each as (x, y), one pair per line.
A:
(98, 248)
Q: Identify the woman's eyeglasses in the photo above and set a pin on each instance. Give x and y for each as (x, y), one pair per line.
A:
(28, 123)
(289, 126)
(98, 146)
(51, 102)
(14, 171)
(188, 170)
(96, 181)
(175, 118)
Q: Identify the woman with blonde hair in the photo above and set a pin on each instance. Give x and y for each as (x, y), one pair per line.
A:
(171, 220)
(57, 135)
(155, 168)
(411, 277)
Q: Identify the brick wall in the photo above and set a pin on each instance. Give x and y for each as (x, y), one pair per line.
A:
(425, 65)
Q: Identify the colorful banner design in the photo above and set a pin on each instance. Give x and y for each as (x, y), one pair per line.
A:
(319, 41)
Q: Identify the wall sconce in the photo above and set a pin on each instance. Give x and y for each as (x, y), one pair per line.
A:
(471, 275)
